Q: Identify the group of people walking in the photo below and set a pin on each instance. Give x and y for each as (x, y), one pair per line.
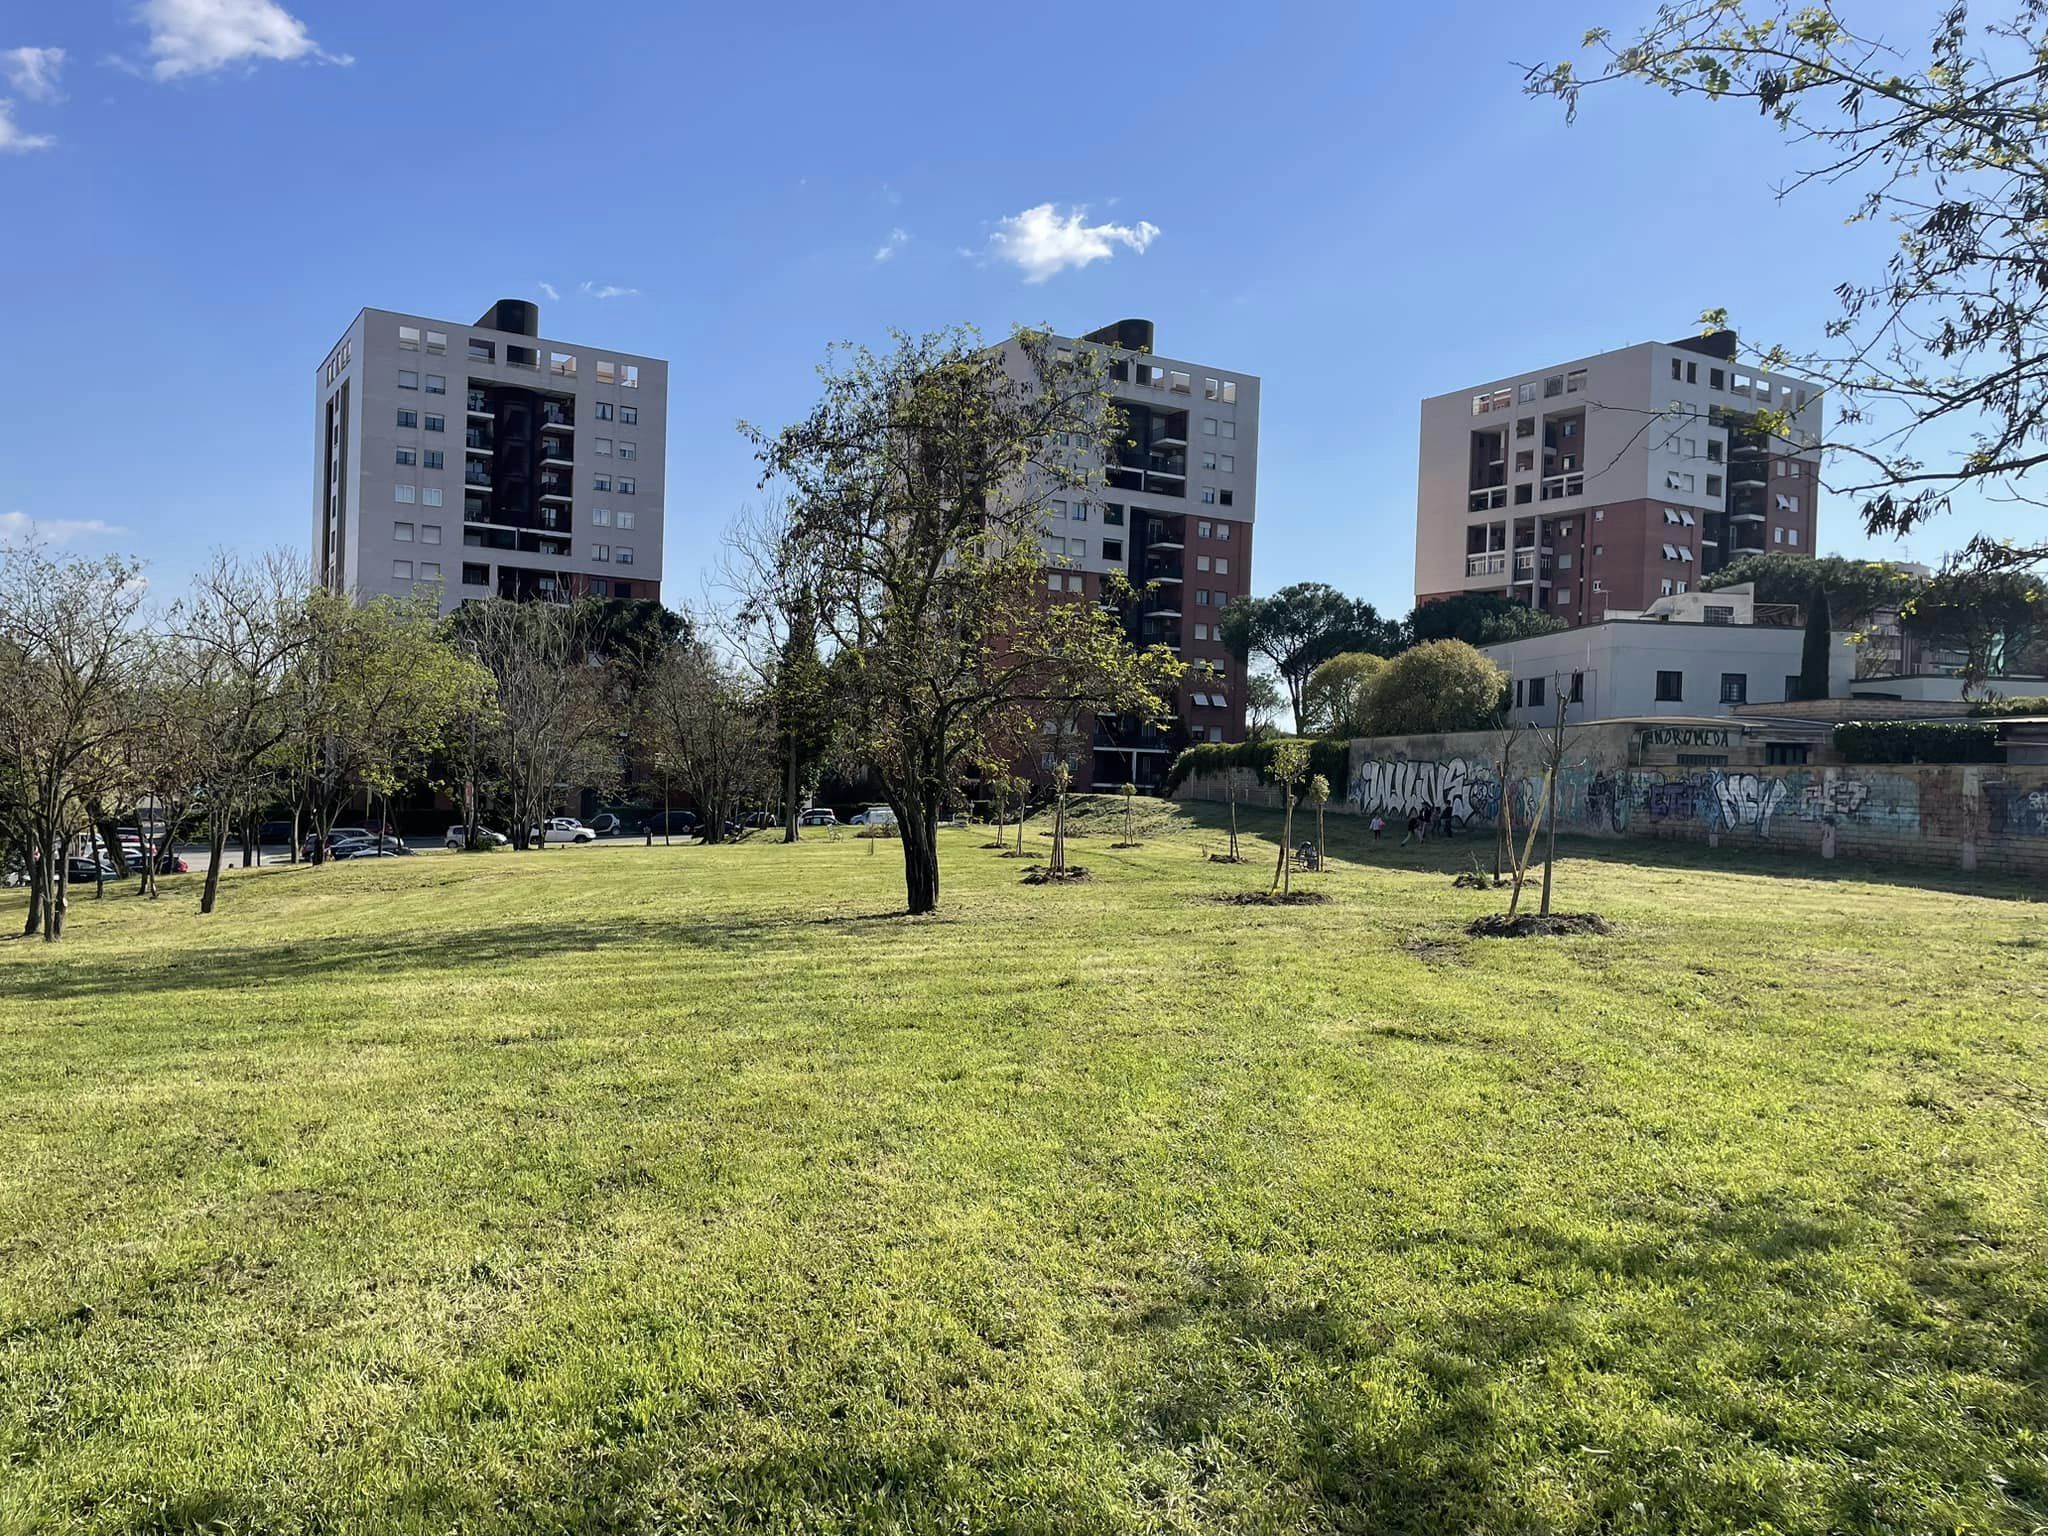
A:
(1422, 821)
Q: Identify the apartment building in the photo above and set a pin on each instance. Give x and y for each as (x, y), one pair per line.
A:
(483, 460)
(1174, 514)
(1603, 484)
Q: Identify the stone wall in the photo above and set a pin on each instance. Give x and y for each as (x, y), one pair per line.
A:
(1974, 816)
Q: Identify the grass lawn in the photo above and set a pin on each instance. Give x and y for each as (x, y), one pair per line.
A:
(686, 1189)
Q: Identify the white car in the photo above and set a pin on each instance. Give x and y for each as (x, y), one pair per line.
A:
(459, 835)
(563, 829)
(874, 816)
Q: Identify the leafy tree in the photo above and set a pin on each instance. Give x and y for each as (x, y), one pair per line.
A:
(1951, 148)
(1813, 650)
(1319, 796)
(1262, 704)
(1995, 617)
(1444, 685)
(1478, 618)
(1129, 792)
(1301, 626)
(1290, 763)
(1338, 693)
(1856, 589)
(1062, 777)
(917, 490)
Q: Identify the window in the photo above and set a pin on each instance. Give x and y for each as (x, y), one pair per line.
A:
(1671, 516)
(1677, 370)
(1227, 428)
(1599, 585)
(401, 570)
(408, 456)
(628, 450)
(1575, 381)
(483, 351)
(1201, 598)
(1078, 548)
(600, 482)
(1713, 485)
(622, 553)
(1222, 565)
(603, 447)
(1112, 549)
(1792, 537)
(1786, 754)
(430, 496)
(602, 552)
(1226, 497)
(1208, 426)
(1670, 687)
(1525, 460)
(1052, 582)
(600, 587)
(405, 493)
(629, 376)
(437, 341)
(1777, 535)
(601, 517)
(1692, 373)
(1665, 584)
(1716, 379)
(1670, 552)
(402, 532)
(1230, 391)
(437, 423)
(1208, 496)
(562, 363)
(1718, 613)
(1077, 583)
(1524, 494)
(430, 533)
(627, 486)
(407, 379)
(476, 575)
(408, 419)
(629, 415)
(1713, 450)
(1223, 530)
(1554, 385)
(432, 458)
(430, 570)
(1525, 427)
(1201, 631)
(437, 384)
(409, 337)
(1211, 389)
(1792, 469)
(604, 410)
(1208, 458)
(1201, 562)
(1734, 687)
(1179, 383)
(626, 518)
(607, 371)
(1535, 693)
(1578, 687)
(1203, 530)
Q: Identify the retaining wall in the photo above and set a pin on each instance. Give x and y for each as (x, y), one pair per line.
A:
(1974, 816)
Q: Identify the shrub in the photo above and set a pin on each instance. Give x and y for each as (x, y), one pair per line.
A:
(1443, 686)
(1330, 757)
(2036, 704)
(1916, 741)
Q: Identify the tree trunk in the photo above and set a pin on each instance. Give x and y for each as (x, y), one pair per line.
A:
(1286, 831)
(249, 843)
(1232, 789)
(56, 879)
(1322, 846)
(1549, 841)
(34, 925)
(790, 811)
(107, 831)
(920, 830)
(216, 845)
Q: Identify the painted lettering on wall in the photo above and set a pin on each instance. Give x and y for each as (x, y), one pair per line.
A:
(1683, 736)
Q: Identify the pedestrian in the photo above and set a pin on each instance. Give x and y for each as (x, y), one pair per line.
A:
(1443, 818)
(1379, 825)
(1428, 820)
(1414, 828)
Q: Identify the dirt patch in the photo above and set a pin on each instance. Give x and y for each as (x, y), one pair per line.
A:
(1126, 845)
(1020, 853)
(1473, 880)
(1071, 875)
(1228, 858)
(1498, 925)
(1273, 898)
(1436, 951)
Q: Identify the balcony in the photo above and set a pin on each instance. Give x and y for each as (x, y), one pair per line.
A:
(554, 416)
(478, 405)
(1558, 487)
(1746, 517)
(1488, 499)
(555, 453)
(1169, 541)
(1494, 564)
(477, 442)
(476, 475)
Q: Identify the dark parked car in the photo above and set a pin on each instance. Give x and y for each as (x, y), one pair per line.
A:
(274, 832)
(86, 871)
(674, 823)
(760, 819)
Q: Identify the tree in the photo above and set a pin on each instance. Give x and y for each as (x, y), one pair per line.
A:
(1996, 618)
(697, 715)
(917, 491)
(1262, 704)
(1301, 626)
(1479, 618)
(1445, 685)
(1319, 796)
(1338, 693)
(1290, 762)
(555, 724)
(1953, 151)
(69, 643)
(1857, 590)
(1814, 649)
(1129, 792)
(1062, 777)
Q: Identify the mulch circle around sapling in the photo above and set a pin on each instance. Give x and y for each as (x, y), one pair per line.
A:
(1473, 880)
(1020, 853)
(1228, 858)
(1532, 925)
(1273, 898)
(1071, 875)
(1126, 845)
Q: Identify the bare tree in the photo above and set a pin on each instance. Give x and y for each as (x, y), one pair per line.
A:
(69, 641)
(714, 737)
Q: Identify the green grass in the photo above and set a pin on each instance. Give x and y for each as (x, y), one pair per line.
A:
(688, 1189)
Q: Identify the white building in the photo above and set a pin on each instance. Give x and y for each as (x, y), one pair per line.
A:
(1689, 656)
(482, 460)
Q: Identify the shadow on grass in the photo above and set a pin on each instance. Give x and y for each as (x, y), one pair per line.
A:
(449, 952)
(1349, 840)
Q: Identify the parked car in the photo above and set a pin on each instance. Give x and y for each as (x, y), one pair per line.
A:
(563, 829)
(274, 832)
(874, 816)
(606, 824)
(458, 835)
(759, 819)
(819, 816)
(390, 847)
(335, 835)
(673, 823)
(79, 871)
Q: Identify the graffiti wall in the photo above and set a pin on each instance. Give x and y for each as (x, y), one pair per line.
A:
(1975, 817)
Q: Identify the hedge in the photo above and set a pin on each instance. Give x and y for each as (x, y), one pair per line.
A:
(1330, 756)
(1916, 741)
(2037, 704)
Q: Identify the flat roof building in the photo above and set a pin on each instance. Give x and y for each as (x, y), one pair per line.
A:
(483, 460)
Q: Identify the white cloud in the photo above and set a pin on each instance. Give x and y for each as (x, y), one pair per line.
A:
(551, 291)
(13, 140)
(609, 291)
(898, 238)
(33, 71)
(56, 530)
(196, 37)
(1042, 243)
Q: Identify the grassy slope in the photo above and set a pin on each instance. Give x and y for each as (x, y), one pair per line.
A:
(626, 1190)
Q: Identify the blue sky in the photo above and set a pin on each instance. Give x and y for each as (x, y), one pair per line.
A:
(1354, 202)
